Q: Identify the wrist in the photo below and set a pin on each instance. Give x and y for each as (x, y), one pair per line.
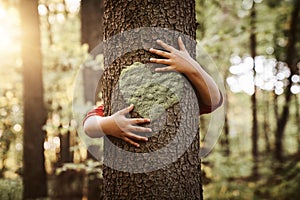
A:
(108, 125)
(194, 70)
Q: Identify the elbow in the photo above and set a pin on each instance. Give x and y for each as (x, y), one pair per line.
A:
(91, 128)
(219, 104)
(206, 109)
(88, 131)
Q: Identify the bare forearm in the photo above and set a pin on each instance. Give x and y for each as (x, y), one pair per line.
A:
(117, 125)
(182, 62)
(206, 87)
(92, 126)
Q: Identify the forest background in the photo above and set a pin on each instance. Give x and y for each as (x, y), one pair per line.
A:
(258, 153)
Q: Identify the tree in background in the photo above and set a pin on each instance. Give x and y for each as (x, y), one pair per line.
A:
(91, 16)
(253, 96)
(91, 13)
(34, 175)
(291, 61)
(181, 179)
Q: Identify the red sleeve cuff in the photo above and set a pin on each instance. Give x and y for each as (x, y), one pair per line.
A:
(99, 111)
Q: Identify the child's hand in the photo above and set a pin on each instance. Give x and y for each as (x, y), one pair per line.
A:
(177, 60)
(181, 61)
(124, 128)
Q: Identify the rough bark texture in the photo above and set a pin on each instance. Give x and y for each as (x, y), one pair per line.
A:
(180, 179)
(34, 178)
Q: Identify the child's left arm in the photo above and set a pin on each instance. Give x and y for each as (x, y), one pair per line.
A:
(181, 61)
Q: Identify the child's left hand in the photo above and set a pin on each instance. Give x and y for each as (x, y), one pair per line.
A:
(177, 60)
(181, 61)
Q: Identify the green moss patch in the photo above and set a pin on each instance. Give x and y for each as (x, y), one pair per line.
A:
(150, 92)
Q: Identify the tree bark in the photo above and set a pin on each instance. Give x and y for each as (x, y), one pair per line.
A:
(180, 179)
(34, 178)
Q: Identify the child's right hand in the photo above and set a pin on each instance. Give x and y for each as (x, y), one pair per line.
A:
(118, 125)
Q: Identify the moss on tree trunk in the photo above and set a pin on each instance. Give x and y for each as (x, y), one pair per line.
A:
(177, 128)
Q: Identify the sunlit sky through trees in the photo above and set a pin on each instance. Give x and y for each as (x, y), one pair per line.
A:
(9, 31)
(270, 75)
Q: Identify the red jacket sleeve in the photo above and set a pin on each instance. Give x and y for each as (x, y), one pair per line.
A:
(99, 111)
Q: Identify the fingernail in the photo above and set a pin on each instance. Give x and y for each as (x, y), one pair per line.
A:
(158, 40)
(146, 139)
(149, 129)
(150, 49)
(151, 59)
(137, 145)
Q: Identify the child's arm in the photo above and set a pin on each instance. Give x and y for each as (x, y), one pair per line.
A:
(117, 125)
(182, 62)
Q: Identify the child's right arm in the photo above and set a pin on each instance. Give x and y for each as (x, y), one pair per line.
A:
(117, 125)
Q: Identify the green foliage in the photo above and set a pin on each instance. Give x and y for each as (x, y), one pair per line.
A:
(151, 92)
(11, 189)
(89, 167)
(286, 183)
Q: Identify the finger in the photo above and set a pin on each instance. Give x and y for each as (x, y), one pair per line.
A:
(139, 129)
(160, 53)
(126, 110)
(164, 69)
(131, 142)
(160, 61)
(139, 120)
(181, 44)
(166, 46)
(135, 137)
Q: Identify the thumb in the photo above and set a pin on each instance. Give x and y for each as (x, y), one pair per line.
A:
(181, 44)
(127, 110)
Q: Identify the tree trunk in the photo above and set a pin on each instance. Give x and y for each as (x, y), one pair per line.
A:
(91, 12)
(290, 60)
(298, 120)
(266, 123)
(225, 139)
(253, 97)
(65, 153)
(92, 34)
(34, 178)
(139, 176)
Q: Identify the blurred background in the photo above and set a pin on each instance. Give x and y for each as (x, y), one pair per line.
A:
(254, 43)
